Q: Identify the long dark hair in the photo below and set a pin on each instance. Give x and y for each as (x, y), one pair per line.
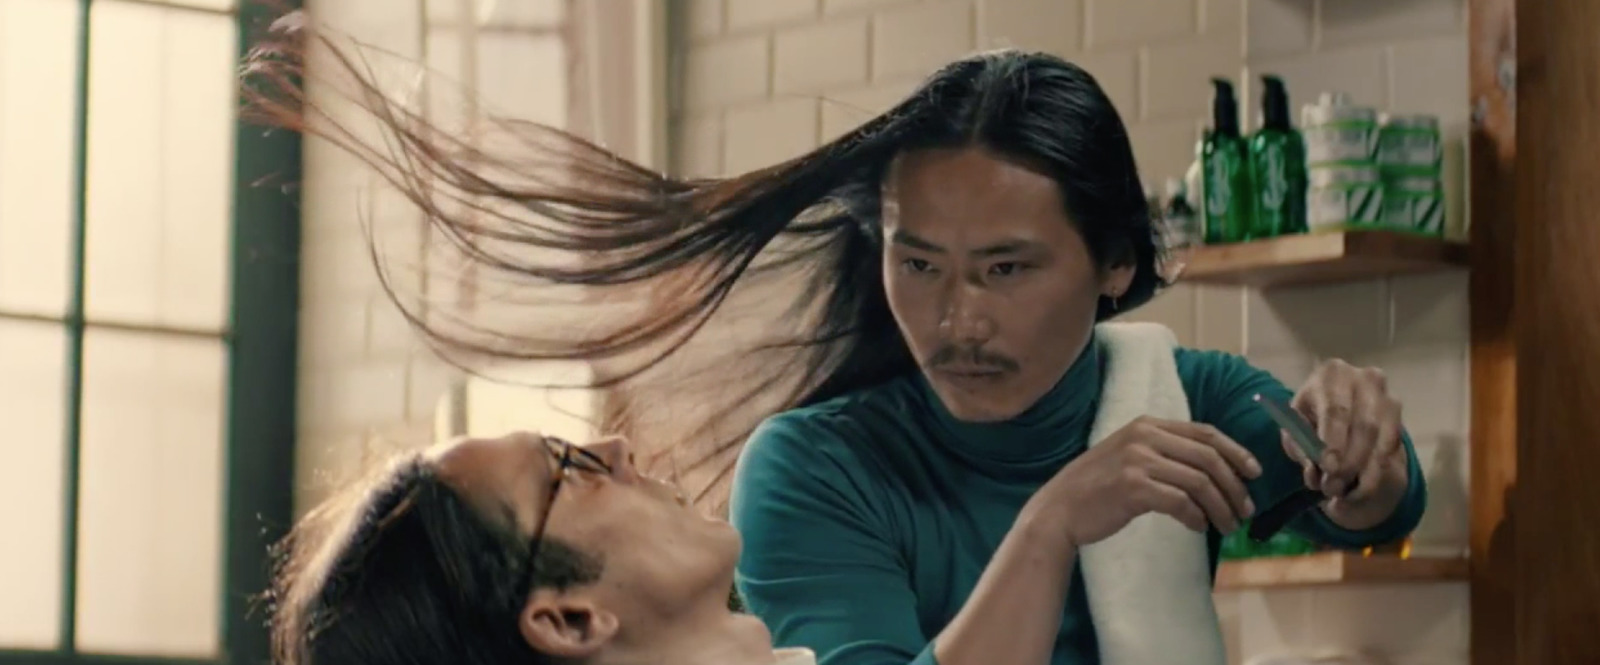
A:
(655, 257)
(401, 569)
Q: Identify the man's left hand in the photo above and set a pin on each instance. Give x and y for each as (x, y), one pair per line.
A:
(1364, 471)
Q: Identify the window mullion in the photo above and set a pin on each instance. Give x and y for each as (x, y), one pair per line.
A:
(74, 329)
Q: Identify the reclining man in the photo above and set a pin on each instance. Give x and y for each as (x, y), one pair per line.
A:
(517, 550)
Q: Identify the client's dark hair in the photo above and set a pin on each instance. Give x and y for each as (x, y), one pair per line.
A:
(544, 211)
(403, 570)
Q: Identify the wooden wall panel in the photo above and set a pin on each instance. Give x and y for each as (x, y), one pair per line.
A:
(1558, 332)
(1493, 146)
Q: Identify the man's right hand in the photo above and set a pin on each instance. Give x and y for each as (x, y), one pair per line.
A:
(1189, 471)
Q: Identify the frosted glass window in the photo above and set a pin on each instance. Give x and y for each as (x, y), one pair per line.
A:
(150, 547)
(38, 71)
(32, 394)
(161, 123)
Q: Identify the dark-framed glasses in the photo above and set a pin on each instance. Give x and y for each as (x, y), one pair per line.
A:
(569, 458)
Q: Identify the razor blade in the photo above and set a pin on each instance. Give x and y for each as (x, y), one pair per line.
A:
(1300, 432)
(1272, 520)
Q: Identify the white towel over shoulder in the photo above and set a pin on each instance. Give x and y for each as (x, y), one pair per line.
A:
(1149, 585)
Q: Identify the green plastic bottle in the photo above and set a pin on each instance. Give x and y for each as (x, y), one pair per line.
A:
(1285, 543)
(1225, 171)
(1277, 167)
(1236, 545)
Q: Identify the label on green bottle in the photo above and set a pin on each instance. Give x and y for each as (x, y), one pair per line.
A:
(1225, 178)
(1277, 170)
(1219, 195)
(1274, 182)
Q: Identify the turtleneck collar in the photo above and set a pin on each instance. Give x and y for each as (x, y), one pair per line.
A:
(1043, 437)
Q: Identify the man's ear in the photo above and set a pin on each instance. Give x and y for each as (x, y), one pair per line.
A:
(1117, 279)
(1120, 277)
(566, 626)
(1117, 276)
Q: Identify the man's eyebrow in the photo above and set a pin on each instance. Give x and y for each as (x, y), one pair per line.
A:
(913, 241)
(1017, 246)
(1004, 247)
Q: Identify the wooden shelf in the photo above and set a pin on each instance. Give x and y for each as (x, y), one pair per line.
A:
(1332, 568)
(1321, 258)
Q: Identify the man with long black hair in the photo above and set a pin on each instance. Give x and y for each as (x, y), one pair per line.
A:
(961, 460)
(523, 549)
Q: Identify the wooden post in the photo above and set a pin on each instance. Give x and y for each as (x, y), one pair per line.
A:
(1493, 152)
(1535, 291)
(1557, 297)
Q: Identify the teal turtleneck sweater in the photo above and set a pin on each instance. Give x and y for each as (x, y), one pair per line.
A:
(868, 519)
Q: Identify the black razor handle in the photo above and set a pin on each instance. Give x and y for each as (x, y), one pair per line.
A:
(1269, 522)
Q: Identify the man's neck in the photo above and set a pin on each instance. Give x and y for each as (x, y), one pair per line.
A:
(717, 638)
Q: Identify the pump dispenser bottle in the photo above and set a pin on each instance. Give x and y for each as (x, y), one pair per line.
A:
(1277, 167)
(1225, 174)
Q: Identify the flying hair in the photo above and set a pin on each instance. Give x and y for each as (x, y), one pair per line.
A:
(704, 304)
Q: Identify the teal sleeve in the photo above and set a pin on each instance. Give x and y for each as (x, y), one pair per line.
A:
(1222, 389)
(819, 565)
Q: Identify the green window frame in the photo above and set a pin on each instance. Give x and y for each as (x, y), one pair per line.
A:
(259, 341)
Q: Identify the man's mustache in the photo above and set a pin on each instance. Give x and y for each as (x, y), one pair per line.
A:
(950, 355)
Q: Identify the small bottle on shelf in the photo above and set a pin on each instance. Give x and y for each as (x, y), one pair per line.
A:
(1277, 167)
(1225, 171)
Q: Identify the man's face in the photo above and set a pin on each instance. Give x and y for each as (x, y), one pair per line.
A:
(990, 282)
(661, 558)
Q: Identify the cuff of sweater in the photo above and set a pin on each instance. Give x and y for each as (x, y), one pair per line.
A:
(926, 657)
(1405, 517)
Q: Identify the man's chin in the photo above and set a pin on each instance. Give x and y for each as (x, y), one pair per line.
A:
(975, 399)
(718, 540)
(972, 409)
(755, 625)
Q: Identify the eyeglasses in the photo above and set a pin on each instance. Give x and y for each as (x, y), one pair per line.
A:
(569, 458)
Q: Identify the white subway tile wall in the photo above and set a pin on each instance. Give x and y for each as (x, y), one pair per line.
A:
(764, 81)
(741, 15)
(766, 133)
(1055, 27)
(917, 39)
(1136, 23)
(820, 57)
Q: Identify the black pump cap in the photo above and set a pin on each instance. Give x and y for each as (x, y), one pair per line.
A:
(1224, 108)
(1274, 103)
